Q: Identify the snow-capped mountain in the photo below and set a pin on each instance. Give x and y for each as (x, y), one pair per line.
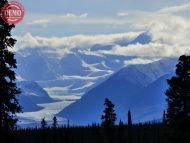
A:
(76, 72)
(92, 71)
(139, 88)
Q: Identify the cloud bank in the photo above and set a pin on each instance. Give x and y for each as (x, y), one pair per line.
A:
(169, 33)
(63, 45)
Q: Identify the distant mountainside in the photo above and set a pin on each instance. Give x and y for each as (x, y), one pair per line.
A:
(139, 88)
(32, 94)
(78, 71)
(84, 72)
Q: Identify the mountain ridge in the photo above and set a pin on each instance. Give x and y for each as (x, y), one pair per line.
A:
(118, 88)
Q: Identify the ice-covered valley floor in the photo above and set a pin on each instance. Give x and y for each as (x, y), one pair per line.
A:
(33, 119)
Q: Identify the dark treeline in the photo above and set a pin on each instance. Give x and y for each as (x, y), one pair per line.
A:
(139, 133)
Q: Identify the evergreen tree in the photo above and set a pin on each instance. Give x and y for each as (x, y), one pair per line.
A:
(178, 98)
(109, 116)
(178, 94)
(129, 127)
(129, 118)
(68, 123)
(9, 105)
(54, 125)
(43, 123)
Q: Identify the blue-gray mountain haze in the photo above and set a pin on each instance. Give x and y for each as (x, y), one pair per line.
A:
(138, 87)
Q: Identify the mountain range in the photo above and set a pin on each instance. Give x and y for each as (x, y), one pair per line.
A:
(139, 88)
(83, 78)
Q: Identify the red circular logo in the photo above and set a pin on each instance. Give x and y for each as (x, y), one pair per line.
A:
(12, 12)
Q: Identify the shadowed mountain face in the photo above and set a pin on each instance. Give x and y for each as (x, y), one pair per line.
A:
(139, 88)
(83, 72)
(32, 94)
(77, 71)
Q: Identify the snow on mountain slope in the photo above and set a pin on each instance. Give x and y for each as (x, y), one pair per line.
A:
(31, 95)
(71, 71)
(34, 91)
(127, 89)
(36, 104)
(33, 118)
(147, 73)
(79, 69)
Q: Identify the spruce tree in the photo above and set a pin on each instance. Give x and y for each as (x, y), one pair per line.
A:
(54, 125)
(109, 116)
(178, 98)
(108, 121)
(178, 94)
(129, 133)
(9, 105)
(43, 123)
(129, 118)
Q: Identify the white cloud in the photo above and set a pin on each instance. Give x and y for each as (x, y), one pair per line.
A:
(139, 61)
(73, 41)
(171, 30)
(39, 22)
(175, 9)
(62, 45)
(170, 38)
(151, 50)
(169, 33)
(74, 16)
(71, 18)
(122, 14)
(90, 53)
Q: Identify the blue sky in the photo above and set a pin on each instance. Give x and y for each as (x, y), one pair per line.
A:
(96, 7)
(89, 17)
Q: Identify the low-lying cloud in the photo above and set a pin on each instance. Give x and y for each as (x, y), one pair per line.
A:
(169, 33)
(65, 44)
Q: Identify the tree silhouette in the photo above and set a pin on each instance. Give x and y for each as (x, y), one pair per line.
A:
(9, 105)
(108, 121)
(109, 116)
(54, 125)
(178, 94)
(129, 118)
(43, 123)
(129, 127)
(178, 98)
